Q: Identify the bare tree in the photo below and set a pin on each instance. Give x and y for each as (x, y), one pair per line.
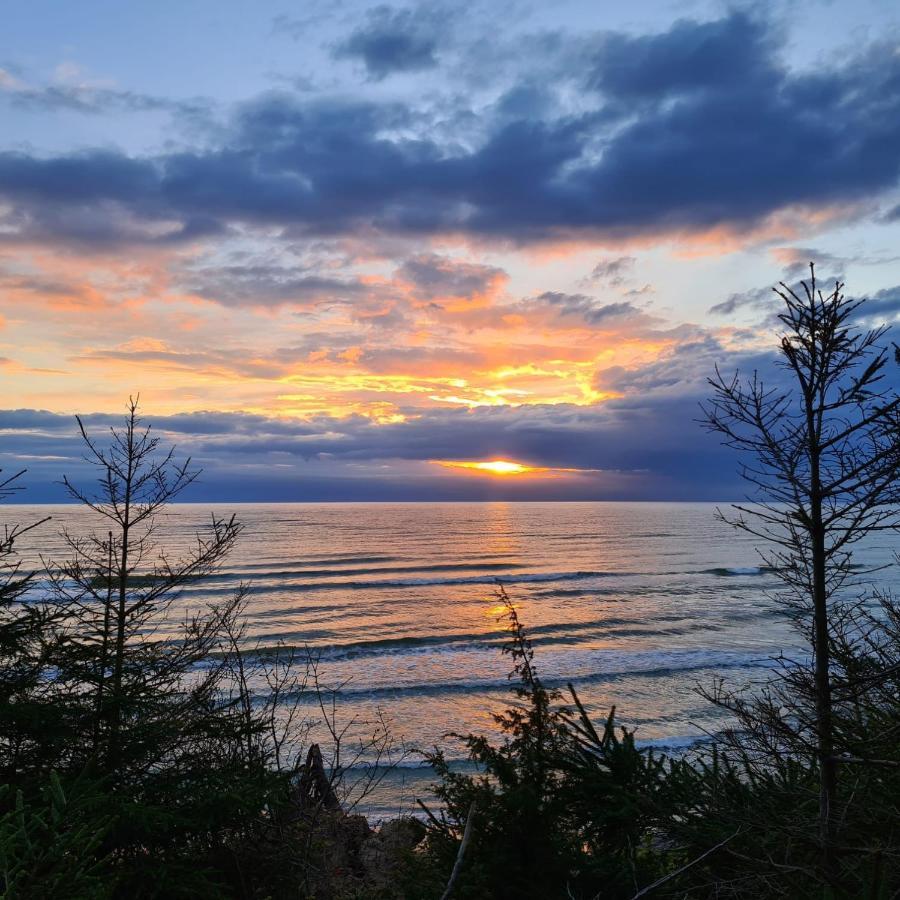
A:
(822, 459)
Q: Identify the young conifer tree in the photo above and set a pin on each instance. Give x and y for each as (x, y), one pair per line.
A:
(119, 588)
(822, 458)
(153, 713)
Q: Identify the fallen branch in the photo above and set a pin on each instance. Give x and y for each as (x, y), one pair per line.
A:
(661, 881)
(463, 844)
(858, 760)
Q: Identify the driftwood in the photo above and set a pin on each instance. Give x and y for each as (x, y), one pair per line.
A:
(314, 788)
(463, 845)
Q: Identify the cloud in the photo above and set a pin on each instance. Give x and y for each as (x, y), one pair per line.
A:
(643, 442)
(434, 277)
(708, 147)
(614, 270)
(200, 362)
(558, 435)
(71, 91)
(755, 299)
(691, 56)
(98, 101)
(266, 285)
(686, 366)
(394, 40)
(341, 457)
(796, 261)
(884, 304)
(586, 308)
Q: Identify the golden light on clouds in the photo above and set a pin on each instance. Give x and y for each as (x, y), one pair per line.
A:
(394, 354)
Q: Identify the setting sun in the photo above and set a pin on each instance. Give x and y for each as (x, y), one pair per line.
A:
(492, 467)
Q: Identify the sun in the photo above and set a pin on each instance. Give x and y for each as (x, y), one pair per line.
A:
(491, 466)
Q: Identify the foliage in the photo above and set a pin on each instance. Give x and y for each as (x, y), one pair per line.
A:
(562, 808)
(27, 731)
(185, 764)
(615, 819)
(516, 798)
(49, 848)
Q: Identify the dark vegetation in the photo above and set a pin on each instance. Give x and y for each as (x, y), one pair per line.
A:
(140, 767)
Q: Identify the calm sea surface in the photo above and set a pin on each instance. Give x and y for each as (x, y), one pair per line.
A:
(636, 603)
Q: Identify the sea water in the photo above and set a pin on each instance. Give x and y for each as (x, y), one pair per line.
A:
(636, 604)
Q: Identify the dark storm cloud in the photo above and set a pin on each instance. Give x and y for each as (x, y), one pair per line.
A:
(394, 40)
(700, 126)
(38, 421)
(89, 177)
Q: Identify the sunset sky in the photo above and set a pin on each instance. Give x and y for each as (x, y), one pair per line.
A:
(356, 251)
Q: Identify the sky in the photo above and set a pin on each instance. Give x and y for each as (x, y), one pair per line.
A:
(355, 251)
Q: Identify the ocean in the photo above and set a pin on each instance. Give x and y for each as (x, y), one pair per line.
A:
(635, 603)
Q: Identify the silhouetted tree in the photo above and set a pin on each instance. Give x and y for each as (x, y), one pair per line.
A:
(144, 687)
(120, 586)
(823, 460)
(24, 650)
(154, 745)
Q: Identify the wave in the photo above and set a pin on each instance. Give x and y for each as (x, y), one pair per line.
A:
(542, 635)
(677, 743)
(379, 646)
(431, 575)
(426, 581)
(388, 570)
(523, 578)
(733, 571)
(650, 664)
(485, 573)
(318, 560)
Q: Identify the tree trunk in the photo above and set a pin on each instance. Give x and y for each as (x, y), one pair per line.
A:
(114, 742)
(100, 713)
(821, 651)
